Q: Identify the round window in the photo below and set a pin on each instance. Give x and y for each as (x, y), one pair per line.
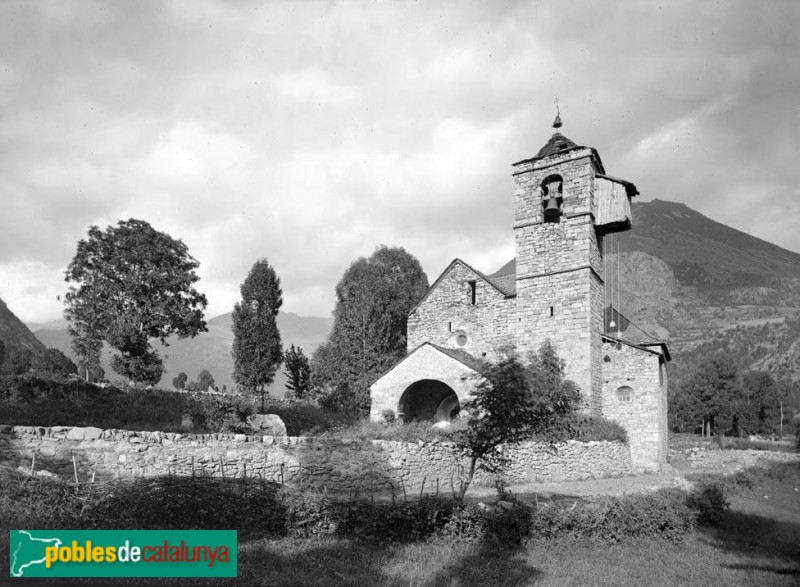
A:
(461, 339)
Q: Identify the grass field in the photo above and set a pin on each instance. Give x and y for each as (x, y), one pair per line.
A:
(757, 543)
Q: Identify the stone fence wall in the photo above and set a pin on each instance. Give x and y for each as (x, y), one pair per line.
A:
(340, 466)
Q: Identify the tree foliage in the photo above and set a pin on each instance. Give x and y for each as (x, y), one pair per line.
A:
(129, 284)
(516, 402)
(19, 360)
(373, 299)
(297, 369)
(54, 363)
(205, 380)
(716, 397)
(257, 350)
(179, 381)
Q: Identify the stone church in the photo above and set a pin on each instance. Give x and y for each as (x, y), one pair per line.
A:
(565, 205)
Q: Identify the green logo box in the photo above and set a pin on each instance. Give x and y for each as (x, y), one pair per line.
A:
(122, 553)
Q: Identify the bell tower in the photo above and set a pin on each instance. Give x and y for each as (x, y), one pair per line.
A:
(564, 205)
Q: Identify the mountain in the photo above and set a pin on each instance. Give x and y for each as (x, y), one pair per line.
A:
(210, 350)
(701, 285)
(14, 333)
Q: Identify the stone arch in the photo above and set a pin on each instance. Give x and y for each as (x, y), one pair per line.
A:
(428, 399)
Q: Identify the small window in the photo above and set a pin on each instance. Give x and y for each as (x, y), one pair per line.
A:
(472, 287)
(624, 393)
(449, 327)
(461, 339)
(606, 359)
(551, 312)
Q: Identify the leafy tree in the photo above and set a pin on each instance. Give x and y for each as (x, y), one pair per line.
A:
(373, 300)
(19, 360)
(256, 340)
(298, 373)
(515, 402)
(130, 284)
(711, 394)
(88, 348)
(205, 380)
(55, 363)
(179, 381)
(2, 353)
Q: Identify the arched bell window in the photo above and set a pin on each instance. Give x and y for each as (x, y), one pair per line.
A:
(552, 197)
(624, 393)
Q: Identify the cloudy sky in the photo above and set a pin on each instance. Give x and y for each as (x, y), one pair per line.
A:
(311, 132)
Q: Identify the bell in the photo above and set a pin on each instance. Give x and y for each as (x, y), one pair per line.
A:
(552, 210)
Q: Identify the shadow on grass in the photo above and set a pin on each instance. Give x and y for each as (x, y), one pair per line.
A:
(760, 539)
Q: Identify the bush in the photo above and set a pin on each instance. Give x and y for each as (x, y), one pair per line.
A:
(303, 419)
(709, 504)
(596, 428)
(221, 413)
(308, 513)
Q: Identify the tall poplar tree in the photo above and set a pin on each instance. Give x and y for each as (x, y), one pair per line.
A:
(256, 340)
(373, 300)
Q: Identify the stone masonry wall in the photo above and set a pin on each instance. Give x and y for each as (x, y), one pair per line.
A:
(559, 266)
(339, 466)
(644, 416)
(448, 310)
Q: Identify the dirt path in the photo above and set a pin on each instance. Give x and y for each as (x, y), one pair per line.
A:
(726, 461)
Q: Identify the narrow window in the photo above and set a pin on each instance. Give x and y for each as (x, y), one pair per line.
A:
(449, 327)
(472, 288)
(551, 313)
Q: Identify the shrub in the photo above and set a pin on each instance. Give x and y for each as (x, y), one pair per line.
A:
(307, 513)
(303, 419)
(663, 514)
(595, 428)
(709, 504)
(221, 413)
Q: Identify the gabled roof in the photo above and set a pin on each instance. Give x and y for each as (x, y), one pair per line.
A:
(462, 357)
(502, 288)
(505, 278)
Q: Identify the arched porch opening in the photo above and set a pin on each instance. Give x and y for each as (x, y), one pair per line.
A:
(428, 399)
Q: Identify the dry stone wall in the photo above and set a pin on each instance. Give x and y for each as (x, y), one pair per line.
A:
(340, 466)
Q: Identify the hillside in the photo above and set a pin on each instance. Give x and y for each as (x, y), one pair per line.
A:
(14, 333)
(699, 284)
(210, 350)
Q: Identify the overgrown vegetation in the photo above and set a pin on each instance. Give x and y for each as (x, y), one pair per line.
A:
(35, 401)
(260, 509)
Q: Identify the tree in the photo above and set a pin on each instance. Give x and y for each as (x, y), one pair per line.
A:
(179, 381)
(205, 380)
(54, 363)
(19, 360)
(88, 348)
(256, 340)
(130, 284)
(711, 392)
(515, 402)
(2, 353)
(298, 373)
(373, 299)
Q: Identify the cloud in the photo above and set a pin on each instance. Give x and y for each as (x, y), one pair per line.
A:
(310, 133)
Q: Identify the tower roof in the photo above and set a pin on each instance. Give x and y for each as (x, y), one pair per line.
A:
(557, 144)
